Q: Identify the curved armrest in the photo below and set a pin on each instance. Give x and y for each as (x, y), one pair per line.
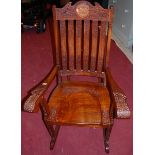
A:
(118, 96)
(32, 102)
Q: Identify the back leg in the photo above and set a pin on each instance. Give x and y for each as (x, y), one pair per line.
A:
(106, 134)
(53, 133)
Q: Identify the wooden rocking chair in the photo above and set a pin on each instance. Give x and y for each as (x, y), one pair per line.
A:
(82, 43)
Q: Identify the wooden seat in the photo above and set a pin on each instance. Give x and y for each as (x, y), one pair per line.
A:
(79, 103)
(82, 38)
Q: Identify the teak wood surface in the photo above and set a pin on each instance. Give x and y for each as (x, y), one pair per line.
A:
(82, 44)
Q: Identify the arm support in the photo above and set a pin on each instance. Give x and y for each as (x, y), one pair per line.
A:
(36, 95)
(118, 97)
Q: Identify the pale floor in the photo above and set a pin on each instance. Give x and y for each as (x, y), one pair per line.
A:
(127, 51)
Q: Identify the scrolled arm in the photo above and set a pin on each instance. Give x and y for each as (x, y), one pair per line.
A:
(118, 97)
(35, 97)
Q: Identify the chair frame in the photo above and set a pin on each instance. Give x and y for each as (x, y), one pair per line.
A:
(36, 97)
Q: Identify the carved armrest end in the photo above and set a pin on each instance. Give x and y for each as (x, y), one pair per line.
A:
(119, 98)
(32, 102)
(121, 107)
(35, 97)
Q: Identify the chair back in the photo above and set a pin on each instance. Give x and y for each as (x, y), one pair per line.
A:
(82, 36)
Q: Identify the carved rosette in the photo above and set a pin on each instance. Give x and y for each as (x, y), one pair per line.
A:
(121, 105)
(82, 10)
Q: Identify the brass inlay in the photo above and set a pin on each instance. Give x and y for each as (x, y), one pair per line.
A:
(82, 10)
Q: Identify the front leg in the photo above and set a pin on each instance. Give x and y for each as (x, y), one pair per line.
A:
(106, 134)
(50, 127)
(54, 136)
(53, 133)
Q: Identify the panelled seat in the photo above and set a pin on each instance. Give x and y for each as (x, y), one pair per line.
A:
(79, 103)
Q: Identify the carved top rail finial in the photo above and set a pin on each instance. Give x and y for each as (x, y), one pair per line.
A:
(83, 10)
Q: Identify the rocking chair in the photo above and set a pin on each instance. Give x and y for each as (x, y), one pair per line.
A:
(82, 44)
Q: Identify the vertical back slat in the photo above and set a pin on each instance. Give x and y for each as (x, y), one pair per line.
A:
(86, 44)
(109, 37)
(102, 38)
(63, 44)
(71, 43)
(108, 44)
(94, 45)
(56, 36)
(78, 44)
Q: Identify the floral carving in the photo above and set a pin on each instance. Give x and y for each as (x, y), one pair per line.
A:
(82, 10)
(30, 103)
(36, 93)
(121, 105)
(111, 114)
(105, 118)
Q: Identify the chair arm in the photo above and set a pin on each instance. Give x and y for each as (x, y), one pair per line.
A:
(118, 97)
(33, 100)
